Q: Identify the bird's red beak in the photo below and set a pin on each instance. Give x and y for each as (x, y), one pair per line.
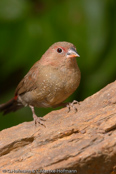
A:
(72, 53)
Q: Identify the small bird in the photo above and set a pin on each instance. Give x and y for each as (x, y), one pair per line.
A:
(49, 82)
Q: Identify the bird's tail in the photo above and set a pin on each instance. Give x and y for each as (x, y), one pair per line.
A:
(11, 106)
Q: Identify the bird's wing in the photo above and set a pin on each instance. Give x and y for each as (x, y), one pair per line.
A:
(28, 83)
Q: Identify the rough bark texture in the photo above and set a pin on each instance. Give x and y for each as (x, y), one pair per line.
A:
(84, 142)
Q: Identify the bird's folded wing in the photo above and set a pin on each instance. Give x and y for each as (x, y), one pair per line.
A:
(28, 83)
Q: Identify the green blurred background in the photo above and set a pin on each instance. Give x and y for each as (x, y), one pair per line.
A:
(29, 27)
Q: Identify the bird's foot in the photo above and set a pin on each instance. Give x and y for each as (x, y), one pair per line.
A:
(38, 120)
(72, 105)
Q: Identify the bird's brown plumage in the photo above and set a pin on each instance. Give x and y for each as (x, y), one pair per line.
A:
(50, 81)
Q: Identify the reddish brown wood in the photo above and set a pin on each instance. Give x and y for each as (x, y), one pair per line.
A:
(84, 141)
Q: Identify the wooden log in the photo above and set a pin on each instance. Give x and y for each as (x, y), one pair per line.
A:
(83, 142)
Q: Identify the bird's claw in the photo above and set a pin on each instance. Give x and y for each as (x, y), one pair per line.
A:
(71, 105)
(38, 120)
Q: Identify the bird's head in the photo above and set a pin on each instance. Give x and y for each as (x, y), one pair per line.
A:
(60, 53)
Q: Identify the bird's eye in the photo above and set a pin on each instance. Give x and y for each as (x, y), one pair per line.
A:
(59, 50)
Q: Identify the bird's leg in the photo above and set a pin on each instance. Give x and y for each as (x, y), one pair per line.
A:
(71, 105)
(36, 119)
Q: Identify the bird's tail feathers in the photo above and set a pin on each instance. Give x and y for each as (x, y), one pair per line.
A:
(11, 106)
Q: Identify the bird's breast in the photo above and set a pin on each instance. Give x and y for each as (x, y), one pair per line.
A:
(59, 84)
(53, 86)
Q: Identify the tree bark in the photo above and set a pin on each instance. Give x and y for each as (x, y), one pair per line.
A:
(83, 142)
